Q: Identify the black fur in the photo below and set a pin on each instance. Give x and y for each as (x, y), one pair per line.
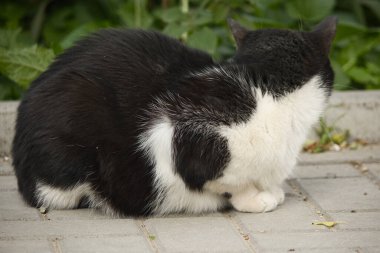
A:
(81, 119)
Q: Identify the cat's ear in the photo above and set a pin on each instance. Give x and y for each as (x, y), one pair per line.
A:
(239, 32)
(325, 32)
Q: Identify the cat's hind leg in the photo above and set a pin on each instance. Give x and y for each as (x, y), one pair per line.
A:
(64, 198)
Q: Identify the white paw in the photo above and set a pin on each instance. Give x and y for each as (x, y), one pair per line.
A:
(279, 195)
(262, 202)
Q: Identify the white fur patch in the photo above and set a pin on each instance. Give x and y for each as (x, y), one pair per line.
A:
(55, 198)
(172, 193)
(264, 150)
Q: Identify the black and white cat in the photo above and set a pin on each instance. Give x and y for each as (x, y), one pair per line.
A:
(135, 123)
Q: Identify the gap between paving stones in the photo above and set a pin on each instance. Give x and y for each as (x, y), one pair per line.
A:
(55, 245)
(297, 188)
(147, 234)
(244, 233)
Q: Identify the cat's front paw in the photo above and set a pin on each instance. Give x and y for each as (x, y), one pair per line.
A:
(279, 194)
(262, 202)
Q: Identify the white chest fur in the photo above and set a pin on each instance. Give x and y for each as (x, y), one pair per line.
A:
(265, 148)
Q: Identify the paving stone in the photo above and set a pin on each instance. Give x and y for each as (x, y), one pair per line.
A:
(371, 250)
(317, 241)
(8, 183)
(89, 228)
(13, 208)
(326, 171)
(320, 250)
(358, 220)
(357, 111)
(323, 250)
(369, 153)
(6, 167)
(374, 168)
(132, 243)
(287, 189)
(27, 246)
(293, 215)
(7, 123)
(77, 214)
(343, 193)
(203, 234)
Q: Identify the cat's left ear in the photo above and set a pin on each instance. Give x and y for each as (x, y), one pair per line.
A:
(239, 32)
(325, 32)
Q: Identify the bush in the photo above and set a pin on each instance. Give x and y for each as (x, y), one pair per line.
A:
(33, 32)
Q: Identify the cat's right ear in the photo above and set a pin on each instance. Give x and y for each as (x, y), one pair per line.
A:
(239, 32)
(325, 32)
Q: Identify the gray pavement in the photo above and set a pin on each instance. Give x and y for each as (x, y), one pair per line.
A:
(336, 186)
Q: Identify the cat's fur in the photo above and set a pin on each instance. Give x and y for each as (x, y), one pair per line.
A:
(135, 123)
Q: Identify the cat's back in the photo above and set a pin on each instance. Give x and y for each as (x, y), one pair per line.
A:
(114, 66)
(123, 55)
(110, 75)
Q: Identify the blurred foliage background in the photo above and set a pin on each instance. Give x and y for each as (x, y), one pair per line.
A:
(33, 32)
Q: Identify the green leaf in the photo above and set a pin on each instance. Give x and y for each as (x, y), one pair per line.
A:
(220, 13)
(361, 75)
(201, 17)
(204, 39)
(175, 30)
(9, 90)
(134, 14)
(374, 6)
(341, 81)
(348, 28)
(8, 37)
(24, 65)
(12, 12)
(313, 10)
(80, 32)
(373, 68)
(170, 15)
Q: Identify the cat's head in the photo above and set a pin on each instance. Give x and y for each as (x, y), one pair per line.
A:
(286, 56)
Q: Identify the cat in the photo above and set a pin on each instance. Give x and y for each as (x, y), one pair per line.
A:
(135, 123)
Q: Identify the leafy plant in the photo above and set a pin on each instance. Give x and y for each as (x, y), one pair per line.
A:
(33, 32)
(331, 138)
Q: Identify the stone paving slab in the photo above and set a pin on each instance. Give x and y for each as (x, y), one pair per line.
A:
(323, 189)
(79, 214)
(7, 125)
(13, 208)
(356, 111)
(203, 234)
(64, 229)
(6, 167)
(322, 241)
(326, 171)
(343, 193)
(125, 244)
(374, 168)
(358, 220)
(26, 246)
(8, 183)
